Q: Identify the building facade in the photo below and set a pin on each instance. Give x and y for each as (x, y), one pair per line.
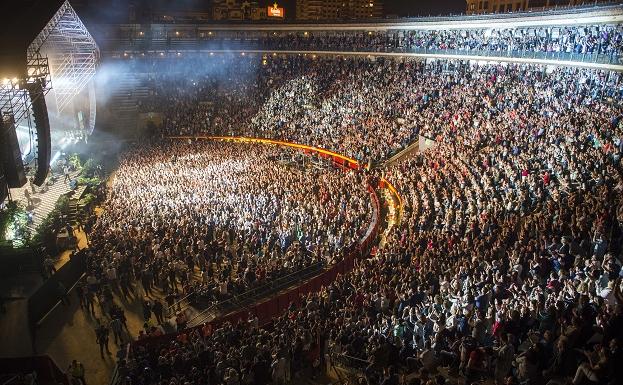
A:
(495, 6)
(237, 10)
(316, 10)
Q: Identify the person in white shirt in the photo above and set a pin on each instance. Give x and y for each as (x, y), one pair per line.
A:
(111, 275)
(66, 173)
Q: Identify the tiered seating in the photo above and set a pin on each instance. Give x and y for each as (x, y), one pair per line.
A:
(510, 237)
(555, 39)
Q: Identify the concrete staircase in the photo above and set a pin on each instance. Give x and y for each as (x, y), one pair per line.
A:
(123, 104)
(75, 208)
(404, 154)
(128, 91)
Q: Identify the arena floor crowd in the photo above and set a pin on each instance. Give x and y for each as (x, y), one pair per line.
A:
(505, 267)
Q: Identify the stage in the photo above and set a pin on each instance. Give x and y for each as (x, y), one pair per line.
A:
(44, 199)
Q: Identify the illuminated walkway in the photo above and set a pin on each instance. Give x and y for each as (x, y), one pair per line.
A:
(43, 202)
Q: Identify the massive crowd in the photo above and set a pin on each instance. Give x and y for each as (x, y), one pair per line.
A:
(587, 40)
(367, 109)
(507, 261)
(602, 42)
(209, 221)
(302, 99)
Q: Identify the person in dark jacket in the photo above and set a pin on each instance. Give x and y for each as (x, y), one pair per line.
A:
(101, 337)
(562, 365)
(158, 310)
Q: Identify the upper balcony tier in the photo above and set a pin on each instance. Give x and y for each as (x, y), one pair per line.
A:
(589, 35)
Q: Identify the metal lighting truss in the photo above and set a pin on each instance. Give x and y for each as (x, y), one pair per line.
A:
(14, 98)
(92, 109)
(13, 101)
(71, 51)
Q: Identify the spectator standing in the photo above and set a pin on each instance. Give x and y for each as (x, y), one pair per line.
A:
(117, 329)
(66, 173)
(76, 371)
(158, 310)
(101, 337)
(505, 355)
(147, 310)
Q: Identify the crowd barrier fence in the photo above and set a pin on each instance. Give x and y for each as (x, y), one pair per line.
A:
(258, 293)
(43, 301)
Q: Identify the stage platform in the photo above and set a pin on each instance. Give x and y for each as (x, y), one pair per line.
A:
(44, 199)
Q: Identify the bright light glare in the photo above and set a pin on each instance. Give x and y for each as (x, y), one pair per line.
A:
(10, 232)
(64, 142)
(55, 157)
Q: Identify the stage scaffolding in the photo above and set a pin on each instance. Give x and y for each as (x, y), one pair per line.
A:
(14, 98)
(71, 52)
(62, 58)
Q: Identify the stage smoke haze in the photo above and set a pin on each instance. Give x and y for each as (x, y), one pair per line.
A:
(131, 82)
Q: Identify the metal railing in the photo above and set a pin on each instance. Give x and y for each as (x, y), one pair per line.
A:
(347, 368)
(181, 45)
(252, 295)
(348, 361)
(612, 58)
(178, 304)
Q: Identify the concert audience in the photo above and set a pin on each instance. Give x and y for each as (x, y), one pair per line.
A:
(587, 40)
(365, 109)
(217, 219)
(506, 264)
(599, 42)
(301, 99)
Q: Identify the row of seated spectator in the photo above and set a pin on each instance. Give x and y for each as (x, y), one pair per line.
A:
(594, 39)
(506, 265)
(366, 109)
(298, 99)
(601, 42)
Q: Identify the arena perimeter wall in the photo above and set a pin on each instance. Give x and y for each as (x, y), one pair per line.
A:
(273, 307)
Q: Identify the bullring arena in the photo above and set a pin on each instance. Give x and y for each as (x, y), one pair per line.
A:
(433, 200)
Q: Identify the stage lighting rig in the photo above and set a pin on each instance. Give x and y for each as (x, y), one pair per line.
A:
(44, 48)
(71, 51)
(14, 98)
